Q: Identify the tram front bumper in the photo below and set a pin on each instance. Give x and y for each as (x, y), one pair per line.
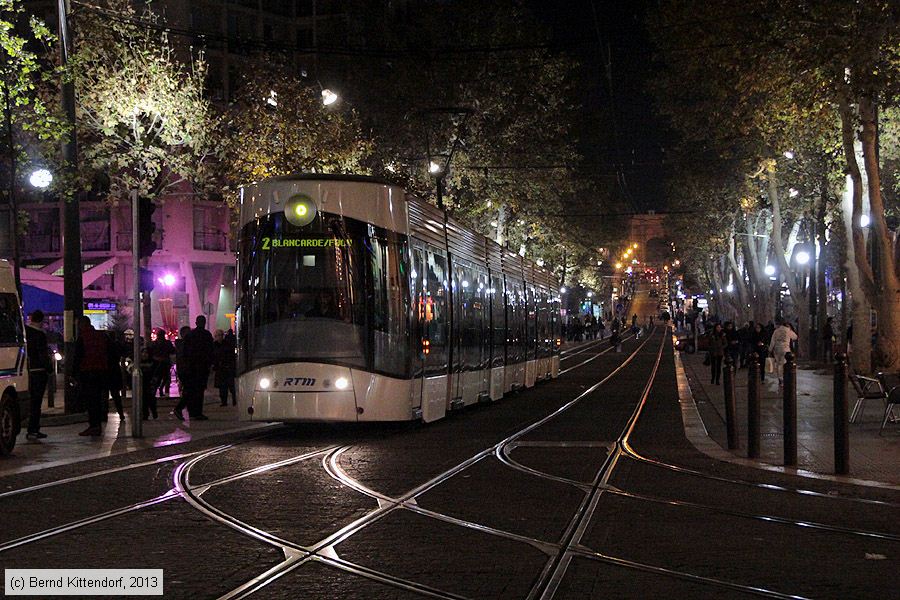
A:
(298, 406)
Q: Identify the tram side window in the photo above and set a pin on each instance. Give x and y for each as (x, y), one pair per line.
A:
(10, 321)
(543, 324)
(471, 307)
(496, 296)
(554, 322)
(531, 322)
(515, 318)
(390, 303)
(435, 311)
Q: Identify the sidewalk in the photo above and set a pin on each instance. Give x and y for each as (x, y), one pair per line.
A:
(872, 457)
(64, 446)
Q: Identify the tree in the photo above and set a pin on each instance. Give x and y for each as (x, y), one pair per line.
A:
(30, 125)
(141, 112)
(278, 125)
(146, 126)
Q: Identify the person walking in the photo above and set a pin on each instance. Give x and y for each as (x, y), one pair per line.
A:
(779, 345)
(38, 372)
(718, 342)
(89, 368)
(161, 351)
(828, 339)
(197, 355)
(149, 383)
(225, 365)
(180, 373)
(114, 383)
(732, 343)
(601, 328)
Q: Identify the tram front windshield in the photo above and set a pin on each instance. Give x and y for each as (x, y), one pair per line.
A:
(334, 291)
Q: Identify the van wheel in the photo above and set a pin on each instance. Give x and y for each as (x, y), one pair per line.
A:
(9, 424)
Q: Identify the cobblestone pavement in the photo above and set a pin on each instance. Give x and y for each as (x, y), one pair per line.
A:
(583, 487)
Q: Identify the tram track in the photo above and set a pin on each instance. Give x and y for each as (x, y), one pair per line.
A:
(324, 549)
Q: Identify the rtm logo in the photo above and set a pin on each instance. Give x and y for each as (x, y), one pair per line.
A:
(299, 381)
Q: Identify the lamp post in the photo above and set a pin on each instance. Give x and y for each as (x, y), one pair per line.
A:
(73, 294)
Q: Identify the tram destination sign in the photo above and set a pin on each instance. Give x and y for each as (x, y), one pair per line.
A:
(270, 243)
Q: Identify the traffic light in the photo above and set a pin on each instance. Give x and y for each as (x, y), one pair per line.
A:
(146, 227)
(146, 280)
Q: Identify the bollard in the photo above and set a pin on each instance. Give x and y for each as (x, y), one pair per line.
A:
(789, 410)
(730, 409)
(841, 417)
(753, 407)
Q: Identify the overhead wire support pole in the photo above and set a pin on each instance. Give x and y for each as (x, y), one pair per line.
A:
(136, 375)
(73, 295)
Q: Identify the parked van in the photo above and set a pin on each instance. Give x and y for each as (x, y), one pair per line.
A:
(13, 358)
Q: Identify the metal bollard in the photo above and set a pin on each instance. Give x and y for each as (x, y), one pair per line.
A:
(789, 411)
(841, 417)
(730, 409)
(753, 407)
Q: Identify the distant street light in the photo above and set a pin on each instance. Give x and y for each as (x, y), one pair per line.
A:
(793, 193)
(770, 270)
(590, 294)
(328, 97)
(729, 288)
(788, 154)
(272, 100)
(434, 168)
(802, 257)
(562, 290)
(864, 221)
(41, 178)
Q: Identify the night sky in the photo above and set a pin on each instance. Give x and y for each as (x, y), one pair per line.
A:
(622, 131)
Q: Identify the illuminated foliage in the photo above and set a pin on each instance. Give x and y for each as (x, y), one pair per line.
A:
(278, 125)
(143, 120)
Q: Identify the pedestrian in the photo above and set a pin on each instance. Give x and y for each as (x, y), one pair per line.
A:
(601, 328)
(718, 342)
(760, 348)
(89, 368)
(149, 384)
(633, 322)
(180, 373)
(161, 351)
(828, 339)
(733, 344)
(225, 365)
(779, 345)
(114, 383)
(745, 336)
(38, 372)
(197, 355)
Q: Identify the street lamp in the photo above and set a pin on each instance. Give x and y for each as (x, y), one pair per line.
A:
(789, 154)
(864, 221)
(562, 290)
(729, 288)
(41, 178)
(802, 257)
(328, 97)
(770, 270)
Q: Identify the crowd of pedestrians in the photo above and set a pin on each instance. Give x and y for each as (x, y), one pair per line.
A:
(769, 344)
(99, 370)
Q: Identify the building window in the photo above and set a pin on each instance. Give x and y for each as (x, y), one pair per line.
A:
(95, 230)
(208, 235)
(43, 232)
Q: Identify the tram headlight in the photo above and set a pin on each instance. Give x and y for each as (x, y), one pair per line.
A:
(300, 210)
(265, 383)
(341, 383)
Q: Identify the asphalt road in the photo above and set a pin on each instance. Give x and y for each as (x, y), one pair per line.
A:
(583, 487)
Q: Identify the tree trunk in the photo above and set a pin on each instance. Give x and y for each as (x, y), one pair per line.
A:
(822, 309)
(887, 298)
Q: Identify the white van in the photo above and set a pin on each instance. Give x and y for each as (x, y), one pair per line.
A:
(13, 358)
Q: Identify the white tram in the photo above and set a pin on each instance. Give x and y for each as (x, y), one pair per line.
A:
(358, 302)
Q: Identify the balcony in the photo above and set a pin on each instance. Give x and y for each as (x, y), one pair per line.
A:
(210, 240)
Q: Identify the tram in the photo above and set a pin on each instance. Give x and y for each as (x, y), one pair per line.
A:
(359, 302)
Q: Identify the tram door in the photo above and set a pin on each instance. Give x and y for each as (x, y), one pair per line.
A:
(430, 291)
